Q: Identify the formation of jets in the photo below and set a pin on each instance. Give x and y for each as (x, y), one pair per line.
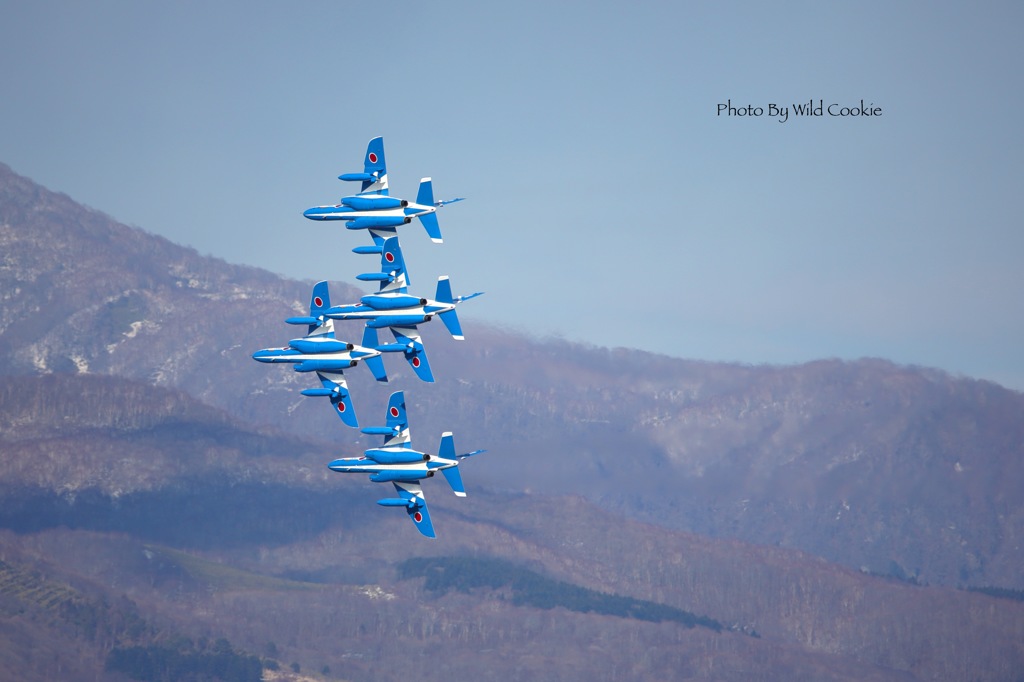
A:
(392, 307)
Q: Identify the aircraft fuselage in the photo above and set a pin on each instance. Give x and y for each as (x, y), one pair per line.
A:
(422, 466)
(307, 355)
(400, 309)
(365, 217)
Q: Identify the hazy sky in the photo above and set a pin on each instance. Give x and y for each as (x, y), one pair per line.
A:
(608, 201)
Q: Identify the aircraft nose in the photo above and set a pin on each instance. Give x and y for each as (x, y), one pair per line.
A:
(313, 213)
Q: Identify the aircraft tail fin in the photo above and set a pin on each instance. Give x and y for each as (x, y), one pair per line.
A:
(444, 290)
(448, 317)
(446, 450)
(444, 296)
(454, 478)
(451, 321)
(425, 197)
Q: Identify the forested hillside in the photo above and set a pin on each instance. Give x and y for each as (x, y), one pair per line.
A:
(635, 516)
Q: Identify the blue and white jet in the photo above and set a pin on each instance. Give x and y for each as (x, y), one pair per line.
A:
(319, 351)
(374, 210)
(397, 462)
(393, 308)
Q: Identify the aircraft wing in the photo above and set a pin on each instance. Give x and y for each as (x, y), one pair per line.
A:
(415, 355)
(336, 388)
(415, 506)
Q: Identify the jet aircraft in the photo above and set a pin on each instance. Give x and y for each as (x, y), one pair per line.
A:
(320, 352)
(398, 463)
(374, 210)
(394, 308)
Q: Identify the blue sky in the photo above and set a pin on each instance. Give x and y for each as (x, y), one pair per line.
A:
(608, 202)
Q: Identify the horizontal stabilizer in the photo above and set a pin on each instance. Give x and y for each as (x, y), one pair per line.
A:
(310, 321)
(376, 367)
(447, 448)
(425, 195)
(367, 249)
(433, 228)
(454, 478)
(451, 321)
(444, 290)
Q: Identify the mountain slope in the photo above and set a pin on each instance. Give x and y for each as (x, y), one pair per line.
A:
(898, 470)
(331, 571)
(148, 457)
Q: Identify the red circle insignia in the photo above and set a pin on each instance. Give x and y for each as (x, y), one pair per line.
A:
(415, 362)
(341, 407)
(318, 302)
(389, 257)
(394, 411)
(417, 517)
(372, 157)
